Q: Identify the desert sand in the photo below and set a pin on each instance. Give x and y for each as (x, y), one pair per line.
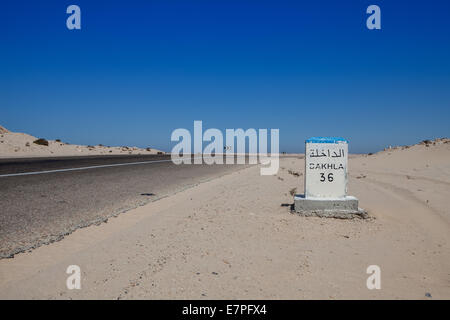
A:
(235, 238)
(19, 145)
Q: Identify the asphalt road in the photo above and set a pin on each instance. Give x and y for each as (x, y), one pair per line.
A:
(44, 199)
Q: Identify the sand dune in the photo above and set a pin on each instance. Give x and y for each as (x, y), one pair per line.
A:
(235, 237)
(16, 144)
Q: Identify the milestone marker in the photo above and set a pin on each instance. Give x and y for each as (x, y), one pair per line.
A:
(326, 181)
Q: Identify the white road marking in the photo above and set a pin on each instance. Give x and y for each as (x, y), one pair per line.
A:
(85, 168)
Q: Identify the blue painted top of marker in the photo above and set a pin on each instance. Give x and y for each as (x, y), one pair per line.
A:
(326, 140)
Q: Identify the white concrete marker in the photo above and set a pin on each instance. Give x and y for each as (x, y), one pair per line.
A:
(326, 168)
(326, 180)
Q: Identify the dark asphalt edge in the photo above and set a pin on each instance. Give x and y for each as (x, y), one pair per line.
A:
(55, 238)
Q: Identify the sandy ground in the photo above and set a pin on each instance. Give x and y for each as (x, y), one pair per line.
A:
(234, 237)
(17, 145)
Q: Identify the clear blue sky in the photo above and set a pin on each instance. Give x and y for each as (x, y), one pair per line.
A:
(139, 69)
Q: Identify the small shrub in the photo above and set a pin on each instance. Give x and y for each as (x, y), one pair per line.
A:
(159, 152)
(293, 191)
(41, 142)
(58, 140)
(294, 173)
(148, 149)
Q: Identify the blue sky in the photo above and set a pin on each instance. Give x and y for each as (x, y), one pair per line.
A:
(137, 70)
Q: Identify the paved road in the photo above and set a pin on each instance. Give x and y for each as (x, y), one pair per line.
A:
(42, 207)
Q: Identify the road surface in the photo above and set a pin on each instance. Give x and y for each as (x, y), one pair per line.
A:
(44, 199)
